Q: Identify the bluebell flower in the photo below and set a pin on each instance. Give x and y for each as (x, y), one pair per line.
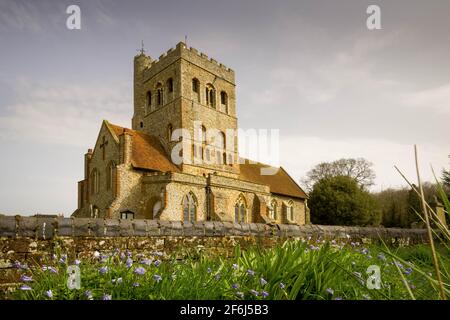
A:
(398, 264)
(52, 270)
(103, 270)
(208, 270)
(381, 257)
(54, 256)
(282, 286)
(333, 241)
(129, 263)
(330, 291)
(263, 281)
(25, 278)
(240, 294)
(250, 272)
(338, 298)
(365, 251)
(254, 292)
(408, 271)
(24, 287)
(235, 266)
(77, 262)
(139, 270)
(117, 281)
(147, 262)
(265, 294)
(235, 286)
(157, 263)
(88, 294)
(106, 297)
(157, 278)
(136, 284)
(122, 256)
(49, 293)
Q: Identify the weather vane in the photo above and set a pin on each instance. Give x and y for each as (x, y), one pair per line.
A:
(142, 47)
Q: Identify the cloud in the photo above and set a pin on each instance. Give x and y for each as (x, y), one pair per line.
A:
(64, 114)
(437, 99)
(18, 15)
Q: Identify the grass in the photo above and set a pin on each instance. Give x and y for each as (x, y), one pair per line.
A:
(296, 270)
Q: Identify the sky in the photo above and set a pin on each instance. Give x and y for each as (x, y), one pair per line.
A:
(311, 69)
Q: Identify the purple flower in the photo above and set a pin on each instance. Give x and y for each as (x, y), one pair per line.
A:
(25, 278)
(254, 292)
(333, 241)
(147, 262)
(235, 266)
(77, 262)
(54, 256)
(103, 270)
(157, 278)
(240, 294)
(398, 264)
(381, 257)
(49, 293)
(136, 284)
(139, 270)
(265, 294)
(408, 271)
(88, 294)
(330, 291)
(106, 297)
(24, 287)
(235, 286)
(157, 263)
(208, 270)
(282, 286)
(96, 254)
(365, 251)
(129, 263)
(52, 270)
(263, 281)
(338, 298)
(122, 256)
(250, 272)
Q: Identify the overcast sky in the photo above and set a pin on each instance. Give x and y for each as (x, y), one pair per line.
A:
(309, 68)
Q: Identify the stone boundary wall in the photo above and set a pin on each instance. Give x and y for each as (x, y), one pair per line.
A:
(42, 228)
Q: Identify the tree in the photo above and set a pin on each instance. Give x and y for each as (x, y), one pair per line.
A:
(340, 200)
(358, 169)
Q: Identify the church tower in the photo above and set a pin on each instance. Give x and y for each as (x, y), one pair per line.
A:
(185, 89)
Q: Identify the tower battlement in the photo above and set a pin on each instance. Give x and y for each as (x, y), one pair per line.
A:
(181, 51)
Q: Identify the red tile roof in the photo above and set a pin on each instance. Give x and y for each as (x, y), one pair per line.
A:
(147, 151)
(279, 183)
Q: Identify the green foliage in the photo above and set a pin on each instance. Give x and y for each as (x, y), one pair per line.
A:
(318, 270)
(341, 201)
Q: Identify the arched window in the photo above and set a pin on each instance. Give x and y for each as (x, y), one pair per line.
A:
(95, 181)
(223, 102)
(210, 94)
(219, 143)
(169, 132)
(148, 102)
(240, 210)
(273, 210)
(170, 85)
(159, 94)
(111, 176)
(290, 211)
(189, 207)
(196, 89)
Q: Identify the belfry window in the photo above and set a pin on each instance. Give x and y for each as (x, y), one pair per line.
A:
(148, 102)
(170, 85)
(210, 95)
(223, 102)
(196, 89)
(273, 210)
(159, 95)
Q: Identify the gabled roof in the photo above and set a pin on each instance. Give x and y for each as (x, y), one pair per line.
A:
(147, 152)
(280, 182)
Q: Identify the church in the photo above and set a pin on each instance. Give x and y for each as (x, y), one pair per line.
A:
(133, 174)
